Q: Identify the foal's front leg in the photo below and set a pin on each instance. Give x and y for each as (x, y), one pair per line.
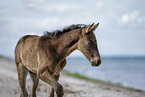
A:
(46, 76)
(50, 90)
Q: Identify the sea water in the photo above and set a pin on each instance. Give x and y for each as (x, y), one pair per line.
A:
(129, 72)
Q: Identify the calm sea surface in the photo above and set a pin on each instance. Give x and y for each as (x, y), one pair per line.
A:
(128, 72)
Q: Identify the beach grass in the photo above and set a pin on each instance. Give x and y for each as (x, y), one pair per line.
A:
(82, 77)
(79, 76)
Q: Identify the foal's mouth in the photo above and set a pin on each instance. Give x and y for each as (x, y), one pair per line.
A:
(96, 62)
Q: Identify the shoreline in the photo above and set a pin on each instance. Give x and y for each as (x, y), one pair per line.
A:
(74, 85)
(100, 88)
(81, 77)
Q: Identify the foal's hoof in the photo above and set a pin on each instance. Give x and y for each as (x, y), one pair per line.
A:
(59, 91)
(32, 95)
(24, 95)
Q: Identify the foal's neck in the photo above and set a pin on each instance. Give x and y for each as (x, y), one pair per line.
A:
(68, 42)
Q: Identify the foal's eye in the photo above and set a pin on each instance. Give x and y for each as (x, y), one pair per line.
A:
(89, 42)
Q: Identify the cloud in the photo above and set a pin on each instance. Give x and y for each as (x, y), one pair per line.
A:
(133, 17)
(18, 18)
(33, 1)
(49, 22)
(30, 5)
(46, 8)
(100, 4)
(61, 8)
(125, 18)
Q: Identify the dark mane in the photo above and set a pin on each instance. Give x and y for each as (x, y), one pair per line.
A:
(57, 33)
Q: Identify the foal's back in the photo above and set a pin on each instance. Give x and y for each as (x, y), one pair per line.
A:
(26, 52)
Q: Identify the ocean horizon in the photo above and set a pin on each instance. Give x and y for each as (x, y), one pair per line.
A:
(125, 71)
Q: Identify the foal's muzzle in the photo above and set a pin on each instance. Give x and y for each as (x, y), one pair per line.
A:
(96, 62)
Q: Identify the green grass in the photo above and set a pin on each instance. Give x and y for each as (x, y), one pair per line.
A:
(76, 75)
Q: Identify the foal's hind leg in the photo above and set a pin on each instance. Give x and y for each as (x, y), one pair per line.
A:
(22, 74)
(35, 82)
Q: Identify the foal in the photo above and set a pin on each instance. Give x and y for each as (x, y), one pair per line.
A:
(45, 56)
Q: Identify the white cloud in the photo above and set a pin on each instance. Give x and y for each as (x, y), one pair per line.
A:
(61, 8)
(50, 21)
(33, 1)
(125, 18)
(131, 18)
(100, 4)
(30, 5)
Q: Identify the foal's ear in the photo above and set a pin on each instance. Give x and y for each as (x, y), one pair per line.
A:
(90, 28)
(95, 26)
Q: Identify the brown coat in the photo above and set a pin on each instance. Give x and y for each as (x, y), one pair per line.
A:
(44, 56)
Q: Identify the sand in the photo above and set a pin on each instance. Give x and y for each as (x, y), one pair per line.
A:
(73, 87)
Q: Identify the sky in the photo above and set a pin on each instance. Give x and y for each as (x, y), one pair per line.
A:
(121, 31)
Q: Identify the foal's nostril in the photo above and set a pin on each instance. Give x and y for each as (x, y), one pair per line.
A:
(99, 62)
(96, 62)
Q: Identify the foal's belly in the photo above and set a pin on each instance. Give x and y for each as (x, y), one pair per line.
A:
(31, 67)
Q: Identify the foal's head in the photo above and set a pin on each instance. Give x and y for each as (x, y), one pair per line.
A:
(88, 45)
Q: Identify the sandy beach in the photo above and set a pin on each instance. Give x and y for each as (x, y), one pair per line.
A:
(73, 87)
